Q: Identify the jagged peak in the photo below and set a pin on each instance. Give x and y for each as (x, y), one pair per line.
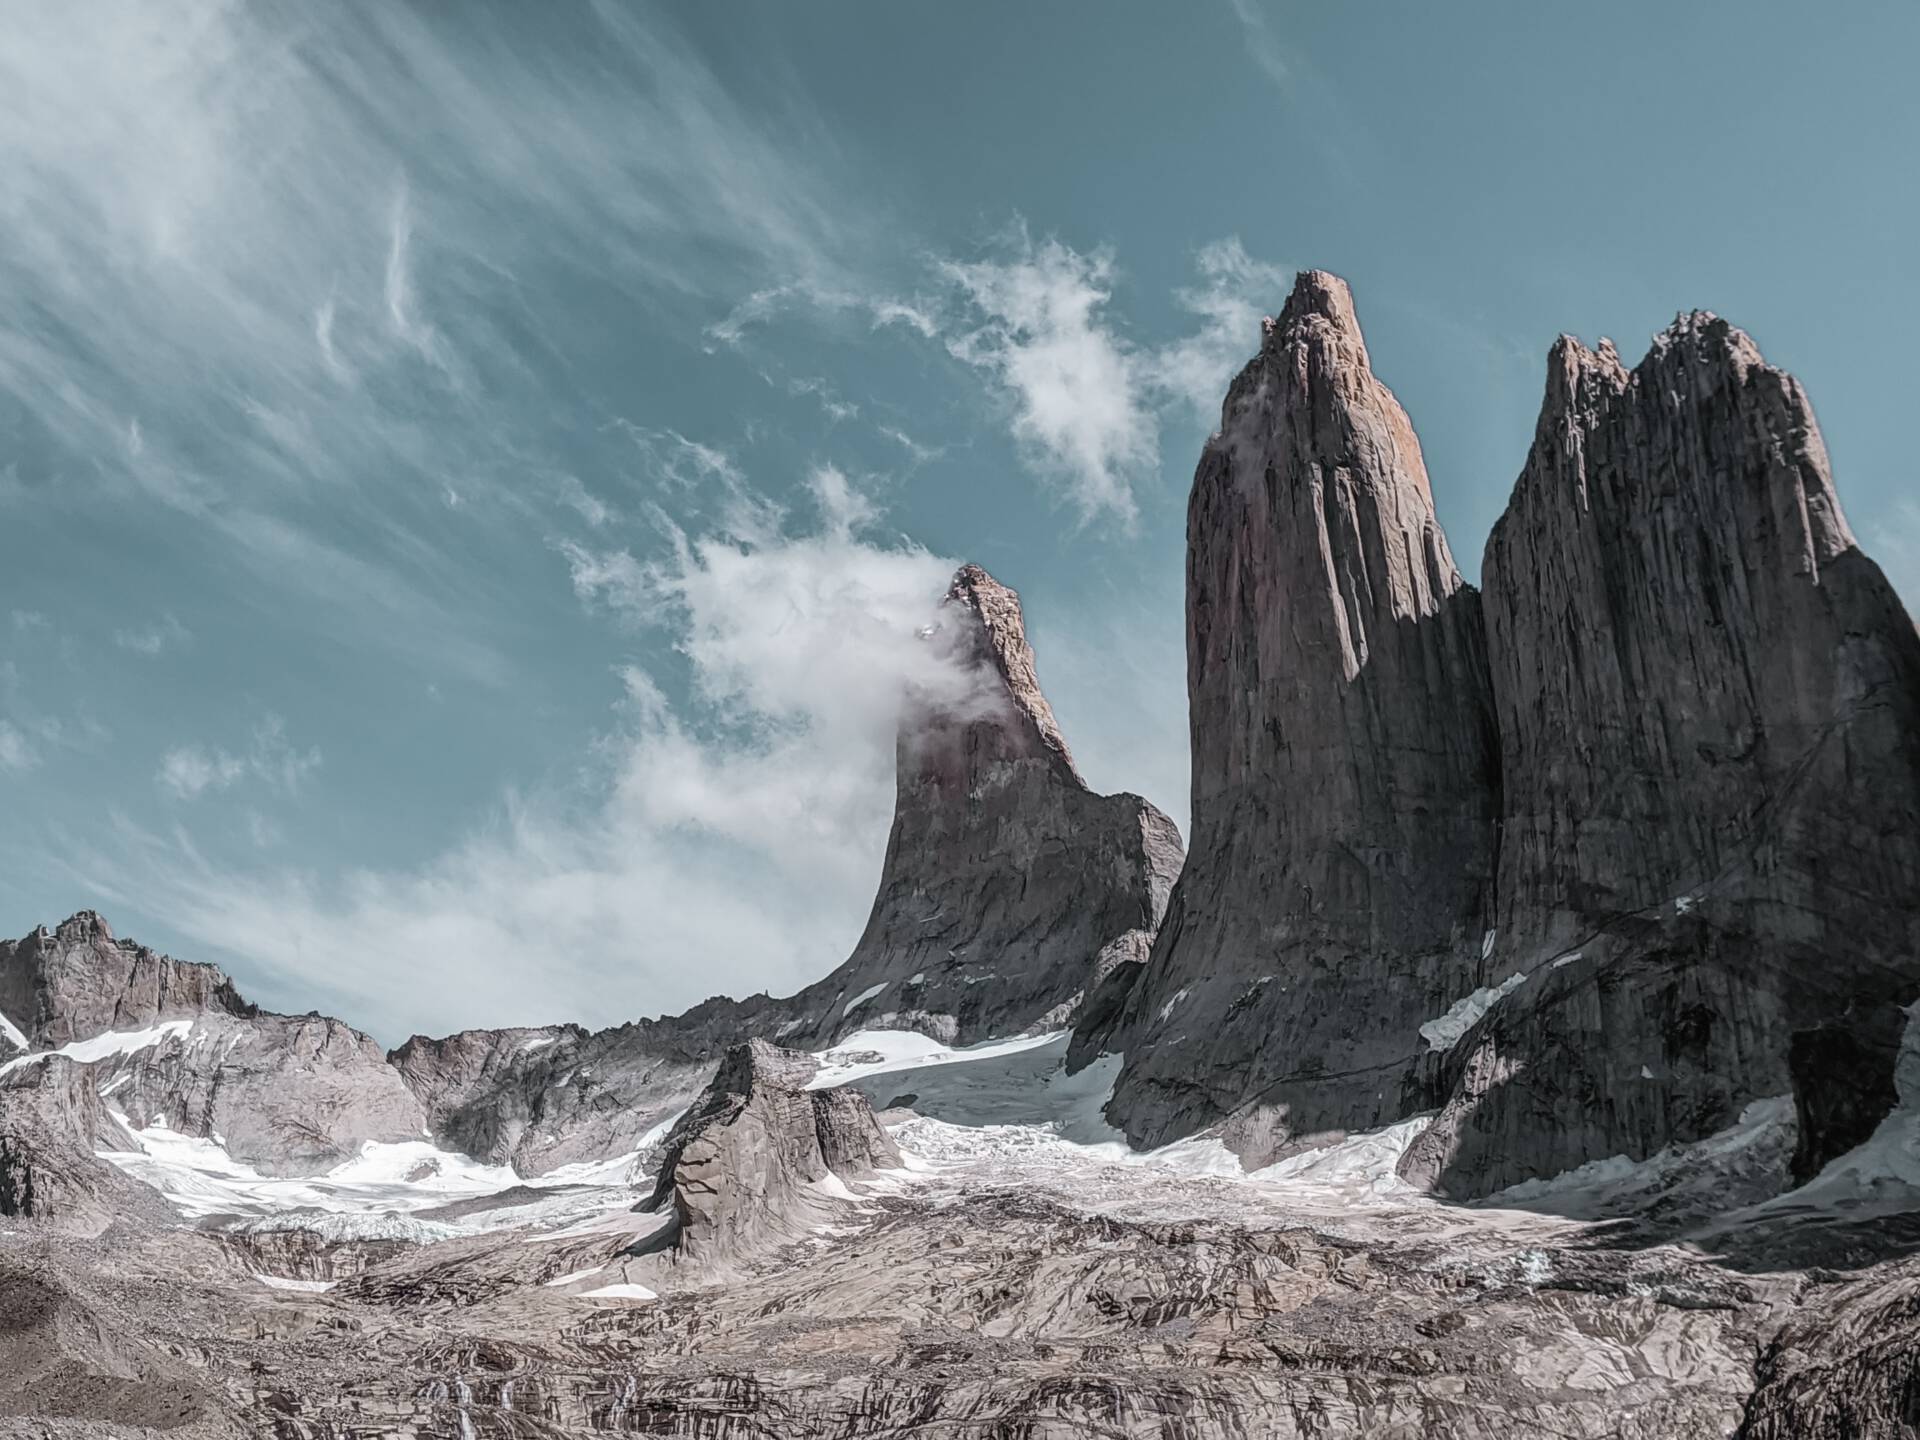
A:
(999, 640)
(1700, 337)
(1319, 309)
(79, 926)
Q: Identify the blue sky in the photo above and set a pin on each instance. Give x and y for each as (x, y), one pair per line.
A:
(469, 476)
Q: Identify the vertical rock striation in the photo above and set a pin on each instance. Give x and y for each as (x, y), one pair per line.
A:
(1338, 886)
(1709, 714)
(744, 1168)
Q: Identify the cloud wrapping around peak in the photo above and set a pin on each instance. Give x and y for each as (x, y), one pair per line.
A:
(1234, 292)
(721, 845)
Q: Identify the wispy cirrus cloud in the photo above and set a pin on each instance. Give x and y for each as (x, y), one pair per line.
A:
(268, 269)
(189, 771)
(154, 638)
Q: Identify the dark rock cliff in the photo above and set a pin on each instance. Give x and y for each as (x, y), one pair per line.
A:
(1338, 887)
(1009, 888)
(1709, 711)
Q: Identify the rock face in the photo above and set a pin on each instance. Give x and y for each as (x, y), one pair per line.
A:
(1009, 888)
(541, 1099)
(1343, 761)
(1709, 711)
(1586, 862)
(51, 1123)
(286, 1094)
(744, 1166)
(77, 981)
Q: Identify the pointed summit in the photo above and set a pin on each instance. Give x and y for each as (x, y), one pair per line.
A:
(985, 639)
(1009, 889)
(1342, 760)
(1320, 307)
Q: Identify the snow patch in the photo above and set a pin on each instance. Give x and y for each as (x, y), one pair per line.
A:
(862, 998)
(569, 1279)
(619, 1292)
(1167, 1009)
(108, 1045)
(13, 1034)
(1445, 1032)
(881, 1052)
(1486, 943)
(304, 1287)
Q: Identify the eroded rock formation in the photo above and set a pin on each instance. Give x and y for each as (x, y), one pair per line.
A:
(1709, 709)
(175, 1042)
(1339, 883)
(1585, 862)
(51, 1124)
(1009, 888)
(77, 980)
(744, 1168)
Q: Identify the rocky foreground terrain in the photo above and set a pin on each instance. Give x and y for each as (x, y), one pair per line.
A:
(1522, 1050)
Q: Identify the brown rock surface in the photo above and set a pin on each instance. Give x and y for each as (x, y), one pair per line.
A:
(1338, 886)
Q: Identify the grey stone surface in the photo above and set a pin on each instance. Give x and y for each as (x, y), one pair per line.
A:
(287, 1094)
(1339, 880)
(1008, 886)
(77, 980)
(743, 1168)
(1709, 710)
(51, 1123)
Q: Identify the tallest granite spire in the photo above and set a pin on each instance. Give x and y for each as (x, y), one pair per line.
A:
(1343, 791)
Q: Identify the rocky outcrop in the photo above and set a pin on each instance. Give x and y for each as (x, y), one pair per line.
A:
(1709, 712)
(51, 1124)
(744, 1168)
(1009, 888)
(286, 1094)
(1845, 1365)
(538, 1100)
(76, 981)
(1338, 887)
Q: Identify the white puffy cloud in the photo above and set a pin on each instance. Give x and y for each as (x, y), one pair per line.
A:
(1036, 323)
(1086, 399)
